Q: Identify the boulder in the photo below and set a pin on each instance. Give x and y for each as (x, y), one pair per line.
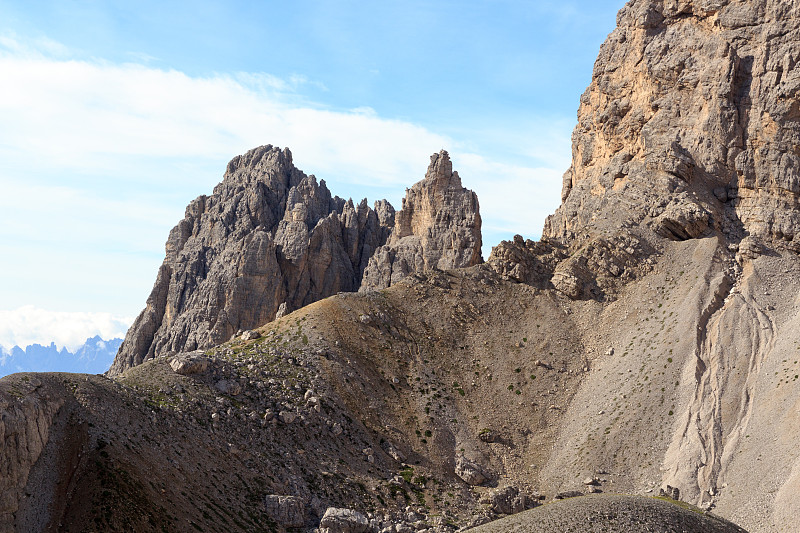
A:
(288, 511)
(187, 364)
(228, 386)
(250, 335)
(471, 473)
(488, 435)
(510, 500)
(337, 520)
(567, 494)
(393, 451)
(673, 493)
(287, 417)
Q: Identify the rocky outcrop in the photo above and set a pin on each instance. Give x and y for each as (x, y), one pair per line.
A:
(28, 413)
(470, 472)
(268, 237)
(337, 520)
(288, 511)
(692, 121)
(689, 129)
(270, 240)
(525, 261)
(439, 226)
(510, 500)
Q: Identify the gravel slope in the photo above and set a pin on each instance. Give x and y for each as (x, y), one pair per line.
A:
(611, 513)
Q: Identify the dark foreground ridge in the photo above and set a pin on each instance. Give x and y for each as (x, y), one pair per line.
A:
(599, 513)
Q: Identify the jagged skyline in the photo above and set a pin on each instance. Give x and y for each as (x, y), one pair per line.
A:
(118, 119)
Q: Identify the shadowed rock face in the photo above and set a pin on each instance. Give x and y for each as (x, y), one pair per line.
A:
(271, 239)
(438, 227)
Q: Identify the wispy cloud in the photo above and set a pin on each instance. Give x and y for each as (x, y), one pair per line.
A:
(28, 325)
(79, 114)
(31, 48)
(518, 198)
(101, 156)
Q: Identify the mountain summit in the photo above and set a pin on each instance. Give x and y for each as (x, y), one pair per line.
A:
(646, 345)
(272, 239)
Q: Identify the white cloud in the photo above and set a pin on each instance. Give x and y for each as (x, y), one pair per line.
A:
(519, 198)
(85, 115)
(100, 157)
(28, 325)
(33, 47)
(80, 115)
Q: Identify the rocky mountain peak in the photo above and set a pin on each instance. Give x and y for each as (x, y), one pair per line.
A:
(440, 171)
(689, 124)
(271, 239)
(439, 226)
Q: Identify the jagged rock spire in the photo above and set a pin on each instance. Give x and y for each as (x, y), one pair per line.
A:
(439, 226)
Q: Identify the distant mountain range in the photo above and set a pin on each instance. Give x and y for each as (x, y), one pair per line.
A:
(93, 357)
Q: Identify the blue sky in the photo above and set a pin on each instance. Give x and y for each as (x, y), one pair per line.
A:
(114, 115)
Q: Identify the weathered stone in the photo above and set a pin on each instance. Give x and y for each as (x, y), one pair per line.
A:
(470, 472)
(488, 435)
(269, 239)
(750, 248)
(228, 386)
(288, 511)
(338, 520)
(25, 428)
(189, 363)
(250, 335)
(525, 261)
(685, 129)
(393, 452)
(567, 494)
(690, 103)
(682, 221)
(438, 227)
(510, 500)
(670, 492)
(287, 417)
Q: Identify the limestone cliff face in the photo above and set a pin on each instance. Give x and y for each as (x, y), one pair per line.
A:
(269, 235)
(691, 124)
(690, 128)
(439, 226)
(270, 240)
